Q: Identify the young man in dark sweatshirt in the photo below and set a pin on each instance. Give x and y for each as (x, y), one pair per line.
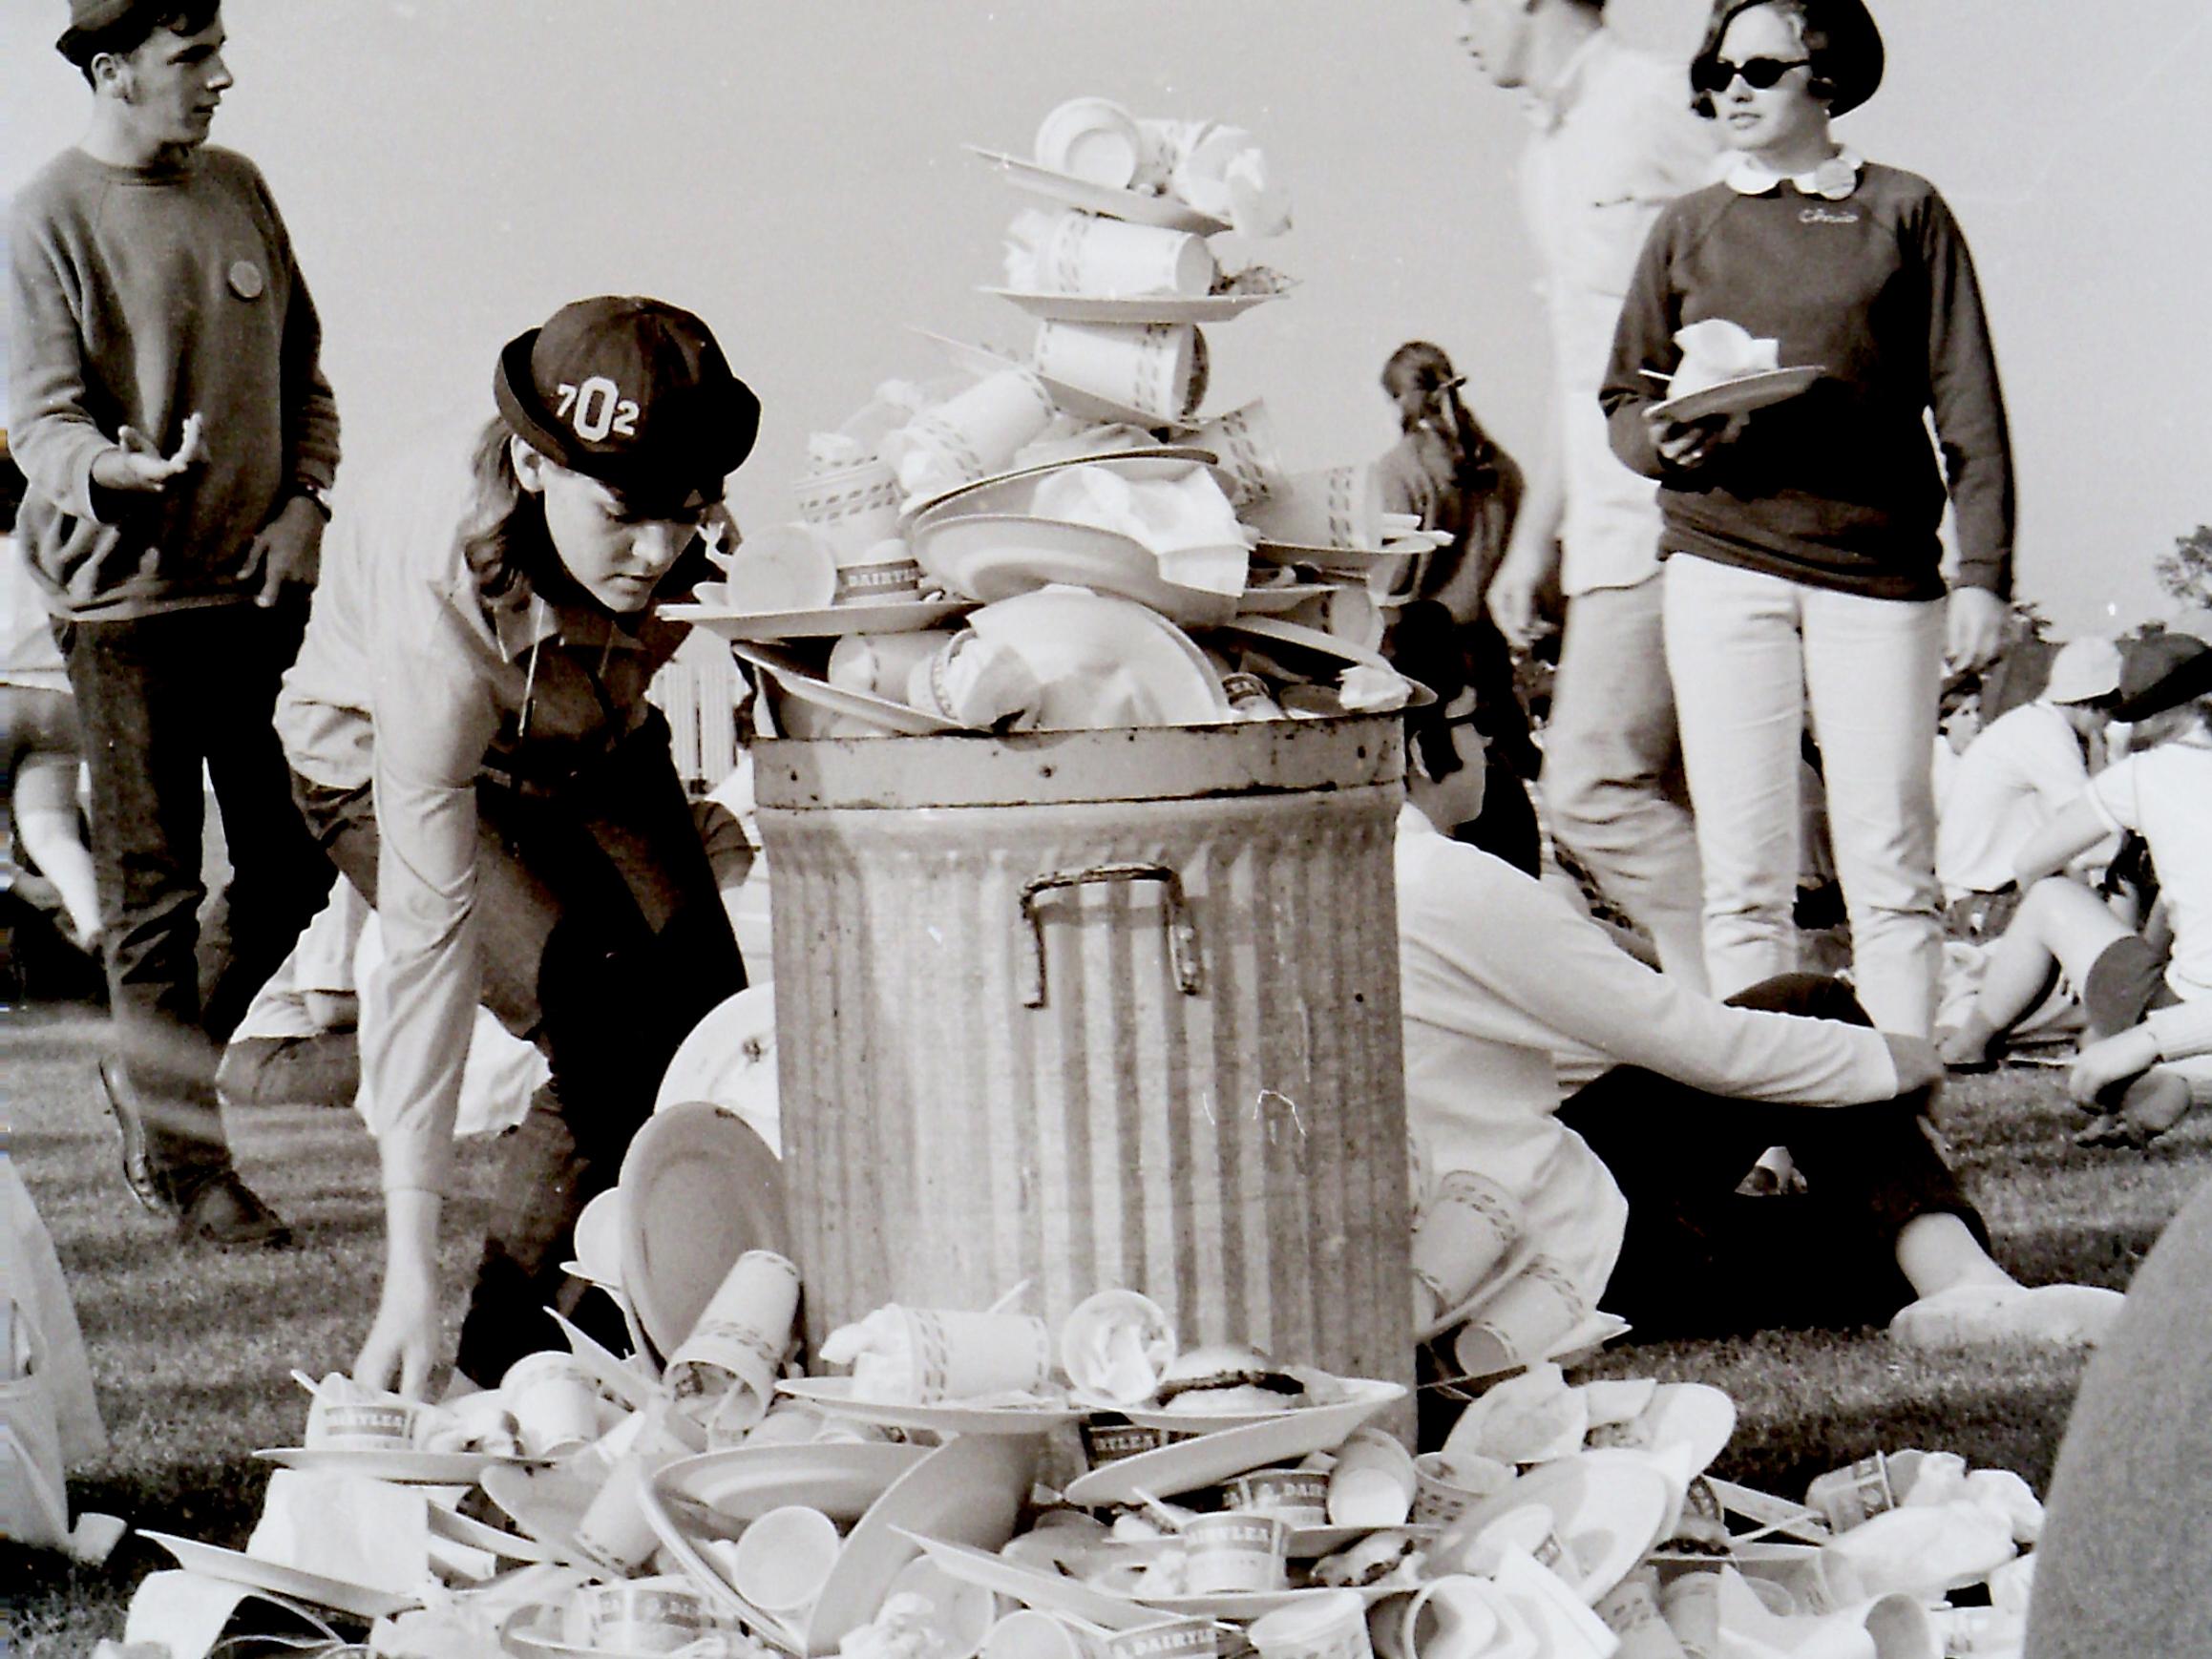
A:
(178, 438)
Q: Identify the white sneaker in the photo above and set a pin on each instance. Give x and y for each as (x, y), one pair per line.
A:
(1968, 1315)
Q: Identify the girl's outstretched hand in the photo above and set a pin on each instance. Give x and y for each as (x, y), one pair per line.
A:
(403, 1340)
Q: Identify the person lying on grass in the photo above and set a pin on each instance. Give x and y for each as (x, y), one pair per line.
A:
(1627, 1190)
(2149, 1011)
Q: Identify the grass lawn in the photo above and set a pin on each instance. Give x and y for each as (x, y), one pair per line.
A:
(192, 1349)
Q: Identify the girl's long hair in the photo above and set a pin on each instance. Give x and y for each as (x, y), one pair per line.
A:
(503, 539)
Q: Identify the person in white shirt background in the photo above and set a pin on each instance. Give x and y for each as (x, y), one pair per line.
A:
(2025, 767)
(1627, 1190)
(1614, 141)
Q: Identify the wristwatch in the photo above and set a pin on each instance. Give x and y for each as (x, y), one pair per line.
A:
(314, 493)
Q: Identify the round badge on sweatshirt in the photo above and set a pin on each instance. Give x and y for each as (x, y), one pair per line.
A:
(245, 280)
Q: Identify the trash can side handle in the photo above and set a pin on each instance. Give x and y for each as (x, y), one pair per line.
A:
(1182, 931)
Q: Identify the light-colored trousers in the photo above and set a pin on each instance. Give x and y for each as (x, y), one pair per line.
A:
(1612, 769)
(1749, 654)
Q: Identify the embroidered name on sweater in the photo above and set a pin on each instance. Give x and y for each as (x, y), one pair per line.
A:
(1825, 216)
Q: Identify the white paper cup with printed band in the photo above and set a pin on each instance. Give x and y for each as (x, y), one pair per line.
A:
(1330, 1626)
(341, 1422)
(1243, 442)
(1326, 507)
(1521, 1322)
(613, 1530)
(1170, 1639)
(1030, 1634)
(1156, 369)
(1232, 1553)
(785, 567)
(1372, 1483)
(1300, 1497)
(655, 1615)
(1463, 1232)
(972, 435)
(1854, 1493)
(856, 505)
(1105, 1443)
(883, 572)
(783, 1557)
(955, 1355)
(1630, 1612)
(1093, 140)
(741, 1337)
(1083, 254)
(554, 1402)
(1447, 1485)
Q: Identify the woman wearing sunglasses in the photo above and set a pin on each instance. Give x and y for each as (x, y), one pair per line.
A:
(1800, 538)
(468, 729)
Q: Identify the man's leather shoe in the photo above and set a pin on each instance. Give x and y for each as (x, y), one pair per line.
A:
(224, 1211)
(138, 1172)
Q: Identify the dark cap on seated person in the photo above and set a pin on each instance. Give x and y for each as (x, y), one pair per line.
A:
(2162, 672)
(1851, 63)
(633, 393)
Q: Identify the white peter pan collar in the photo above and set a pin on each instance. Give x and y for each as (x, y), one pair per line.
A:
(1833, 179)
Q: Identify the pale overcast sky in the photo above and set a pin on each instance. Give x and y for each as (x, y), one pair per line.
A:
(452, 169)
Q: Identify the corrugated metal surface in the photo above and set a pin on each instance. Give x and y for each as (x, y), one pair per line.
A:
(1238, 1153)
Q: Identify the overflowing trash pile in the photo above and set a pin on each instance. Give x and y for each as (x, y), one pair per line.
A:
(1062, 540)
(981, 1483)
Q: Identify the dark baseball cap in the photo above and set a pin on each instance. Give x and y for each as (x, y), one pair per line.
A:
(2162, 672)
(634, 393)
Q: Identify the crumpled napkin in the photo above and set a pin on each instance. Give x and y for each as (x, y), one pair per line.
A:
(1926, 1550)
(1524, 1420)
(1186, 521)
(901, 1630)
(1718, 350)
(344, 1527)
(1888, 1627)
(1225, 172)
(1365, 688)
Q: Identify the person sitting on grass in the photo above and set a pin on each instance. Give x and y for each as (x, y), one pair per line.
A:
(2146, 1010)
(1628, 1189)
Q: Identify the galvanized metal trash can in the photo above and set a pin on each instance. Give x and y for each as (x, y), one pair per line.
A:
(1094, 1009)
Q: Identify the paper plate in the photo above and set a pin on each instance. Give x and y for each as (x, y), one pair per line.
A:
(1306, 638)
(410, 1468)
(233, 1566)
(1135, 307)
(1609, 1507)
(1052, 1592)
(1166, 212)
(1194, 1423)
(1252, 1604)
(800, 682)
(906, 616)
(1586, 1339)
(981, 494)
(1736, 396)
(1002, 555)
(835, 1395)
(730, 1059)
(1262, 601)
(1078, 643)
(1185, 1465)
(619, 1379)
(1361, 559)
(698, 1189)
(841, 1479)
(969, 1491)
(459, 1528)
(1695, 1414)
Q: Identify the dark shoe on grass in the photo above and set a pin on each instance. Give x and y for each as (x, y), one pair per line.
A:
(138, 1172)
(224, 1211)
